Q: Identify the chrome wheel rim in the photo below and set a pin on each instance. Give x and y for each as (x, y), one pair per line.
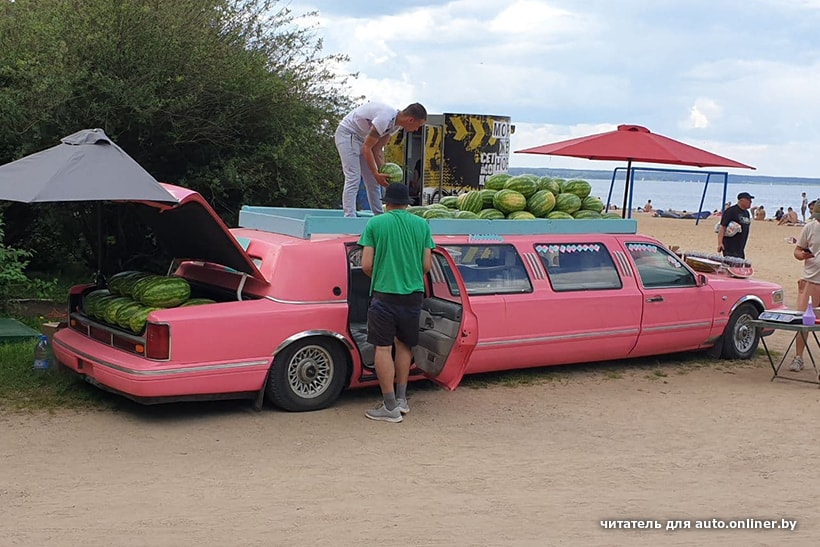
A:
(310, 371)
(744, 334)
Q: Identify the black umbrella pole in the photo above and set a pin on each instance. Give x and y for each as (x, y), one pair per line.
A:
(626, 186)
(98, 277)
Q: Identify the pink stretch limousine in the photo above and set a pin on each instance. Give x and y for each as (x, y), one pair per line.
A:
(289, 322)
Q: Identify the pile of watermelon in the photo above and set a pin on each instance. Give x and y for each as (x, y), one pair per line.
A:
(132, 295)
(520, 197)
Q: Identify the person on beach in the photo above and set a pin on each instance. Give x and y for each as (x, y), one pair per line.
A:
(760, 213)
(648, 207)
(789, 219)
(735, 245)
(809, 283)
(360, 140)
(779, 214)
(803, 206)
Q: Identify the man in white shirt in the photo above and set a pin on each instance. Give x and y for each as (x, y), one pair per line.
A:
(360, 140)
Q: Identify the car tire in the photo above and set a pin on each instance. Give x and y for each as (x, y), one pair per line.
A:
(307, 375)
(740, 339)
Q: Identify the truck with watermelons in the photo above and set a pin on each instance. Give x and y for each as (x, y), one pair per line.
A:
(452, 153)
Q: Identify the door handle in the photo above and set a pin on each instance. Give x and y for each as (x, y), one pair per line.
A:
(655, 299)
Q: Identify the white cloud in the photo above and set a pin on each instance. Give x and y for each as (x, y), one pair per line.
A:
(741, 77)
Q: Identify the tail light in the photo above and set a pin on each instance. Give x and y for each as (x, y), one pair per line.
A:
(158, 341)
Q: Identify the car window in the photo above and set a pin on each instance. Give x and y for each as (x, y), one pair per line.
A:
(579, 266)
(488, 269)
(658, 267)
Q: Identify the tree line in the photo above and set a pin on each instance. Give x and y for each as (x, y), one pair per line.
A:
(232, 98)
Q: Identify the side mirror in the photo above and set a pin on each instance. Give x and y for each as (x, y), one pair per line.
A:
(702, 280)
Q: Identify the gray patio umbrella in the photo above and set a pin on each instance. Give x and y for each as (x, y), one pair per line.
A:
(85, 166)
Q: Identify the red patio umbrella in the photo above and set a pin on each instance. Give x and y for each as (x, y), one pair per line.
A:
(634, 143)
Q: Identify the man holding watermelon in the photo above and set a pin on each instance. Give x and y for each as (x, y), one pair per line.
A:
(360, 140)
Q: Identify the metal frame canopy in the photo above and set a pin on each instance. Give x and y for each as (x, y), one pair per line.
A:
(631, 176)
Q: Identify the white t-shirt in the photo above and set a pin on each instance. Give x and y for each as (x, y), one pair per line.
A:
(381, 116)
(810, 239)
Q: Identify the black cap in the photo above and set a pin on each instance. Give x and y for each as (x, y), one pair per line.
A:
(745, 195)
(396, 194)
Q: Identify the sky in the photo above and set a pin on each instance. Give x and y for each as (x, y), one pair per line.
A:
(740, 78)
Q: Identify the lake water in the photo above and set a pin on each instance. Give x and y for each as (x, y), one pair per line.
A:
(687, 195)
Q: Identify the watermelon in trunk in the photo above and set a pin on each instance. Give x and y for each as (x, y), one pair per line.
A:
(164, 292)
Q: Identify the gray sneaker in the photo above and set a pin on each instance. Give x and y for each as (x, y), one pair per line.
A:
(797, 364)
(381, 414)
(403, 407)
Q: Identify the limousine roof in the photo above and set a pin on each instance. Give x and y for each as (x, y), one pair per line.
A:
(303, 223)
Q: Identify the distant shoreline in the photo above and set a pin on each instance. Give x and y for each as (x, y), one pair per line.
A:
(693, 176)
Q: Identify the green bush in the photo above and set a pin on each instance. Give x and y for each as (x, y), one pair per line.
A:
(13, 263)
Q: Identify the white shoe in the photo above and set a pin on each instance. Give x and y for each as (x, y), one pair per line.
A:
(404, 408)
(797, 364)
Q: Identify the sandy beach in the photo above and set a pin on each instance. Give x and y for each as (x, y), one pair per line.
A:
(539, 462)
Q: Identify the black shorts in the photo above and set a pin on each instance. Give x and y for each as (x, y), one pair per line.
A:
(394, 316)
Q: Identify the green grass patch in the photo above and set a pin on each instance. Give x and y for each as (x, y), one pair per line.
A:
(23, 388)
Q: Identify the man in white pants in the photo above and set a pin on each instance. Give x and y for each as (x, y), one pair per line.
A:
(360, 140)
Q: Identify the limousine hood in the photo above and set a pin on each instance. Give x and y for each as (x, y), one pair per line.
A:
(191, 230)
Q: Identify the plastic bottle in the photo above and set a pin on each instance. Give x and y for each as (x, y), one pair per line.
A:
(808, 317)
(42, 358)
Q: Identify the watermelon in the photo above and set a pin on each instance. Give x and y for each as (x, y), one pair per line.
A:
(138, 318)
(116, 280)
(508, 201)
(591, 203)
(560, 182)
(393, 172)
(451, 202)
(126, 288)
(569, 203)
(438, 213)
(549, 183)
(490, 214)
(496, 181)
(91, 298)
(197, 302)
(141, 284)
(521, 215)
(586, 214)
(559, 215)
(580, 188)
(109, 312)
(541, 203)
(124, 312)
(438, 205)
(100, 304)
(416, 210)
(487, 198)
(165, 292)
(471, 201)
(466, 214)
(611, 215)
(526, 185)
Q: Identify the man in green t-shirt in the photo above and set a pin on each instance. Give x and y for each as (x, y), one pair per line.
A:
(396, 255)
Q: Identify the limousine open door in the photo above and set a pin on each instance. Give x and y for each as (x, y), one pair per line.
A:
(448, 328)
